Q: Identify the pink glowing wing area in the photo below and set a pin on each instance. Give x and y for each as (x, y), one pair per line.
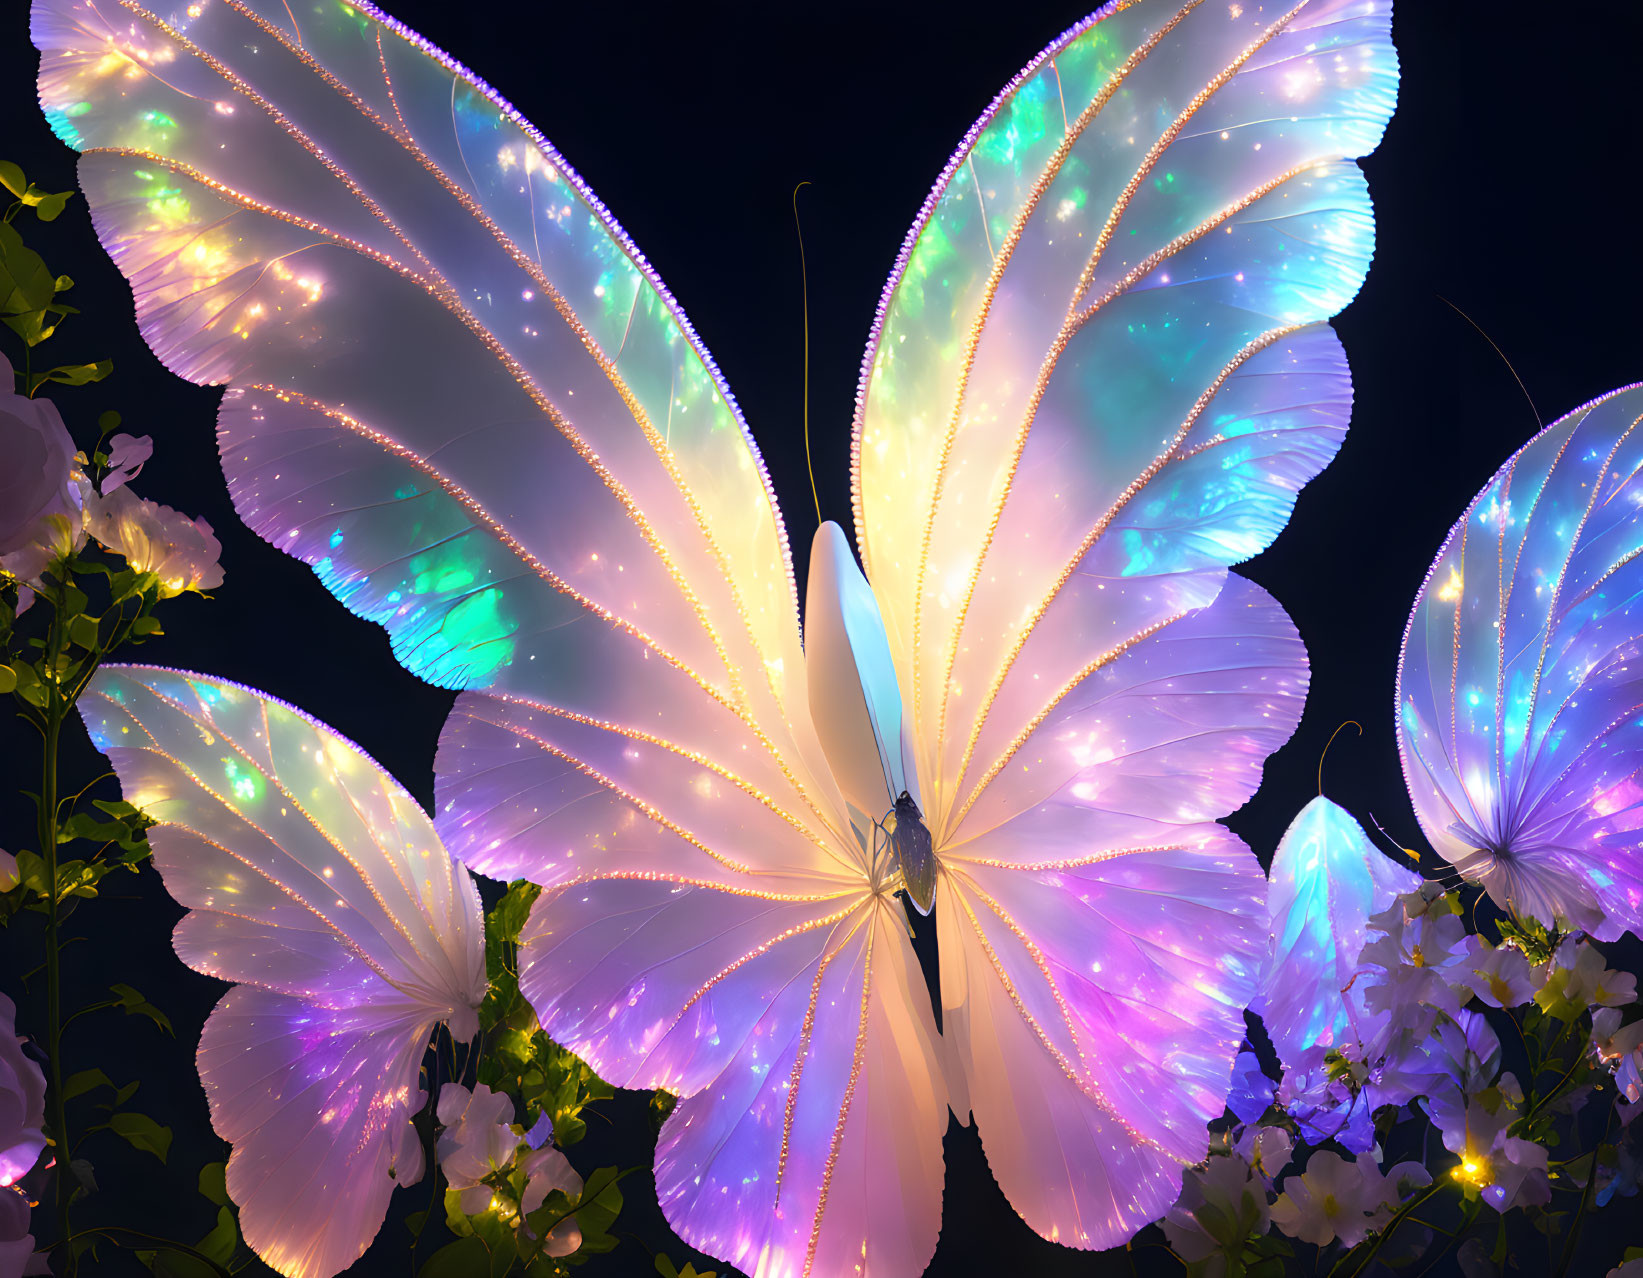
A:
(455, 387)
(1326, 879)
(1098, 377)
(1100, 934)
(1099, 372)
(319, 887)
(785, 1005)
(1520, 687)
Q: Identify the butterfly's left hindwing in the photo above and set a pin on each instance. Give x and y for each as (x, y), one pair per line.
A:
(317, 886)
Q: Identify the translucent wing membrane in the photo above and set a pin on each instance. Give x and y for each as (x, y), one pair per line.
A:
(1327, 878)
(691, 938)
(455, 388)
(1519, 686)
(316, 884)
(1098, 376)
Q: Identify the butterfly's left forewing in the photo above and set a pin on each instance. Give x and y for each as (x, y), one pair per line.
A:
(318, 887)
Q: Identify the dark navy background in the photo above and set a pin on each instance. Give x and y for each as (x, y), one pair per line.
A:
(1505, 183)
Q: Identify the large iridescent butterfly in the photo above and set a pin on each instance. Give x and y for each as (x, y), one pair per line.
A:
(319, 886)
(1098, 376)
(1520, 689)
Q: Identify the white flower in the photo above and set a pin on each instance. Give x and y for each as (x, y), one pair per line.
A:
(22, 1102)
(39, 498)
(1331, 1199)
(1593, 983)
(1221, 1205)
(546, 1169)
(1501, 975)
(478, 1139)
(181, 551)
(1610, 1039)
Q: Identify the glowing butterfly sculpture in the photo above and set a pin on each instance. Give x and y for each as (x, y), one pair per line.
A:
(1098, 376)
(1520, 689)
(319, 886)
(1326, 879)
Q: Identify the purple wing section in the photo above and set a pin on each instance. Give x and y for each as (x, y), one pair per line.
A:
(1326, 879)
(316, 885)
(454, 385)
(1519, 688)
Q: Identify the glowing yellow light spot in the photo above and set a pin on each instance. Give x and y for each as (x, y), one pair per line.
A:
(1450, 590)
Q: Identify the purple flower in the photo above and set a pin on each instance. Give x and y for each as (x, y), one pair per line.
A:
(1507, 1171)
(126, 455)
(22, 1102)
(1325, 1104)
(1267, 1150)
(1252, 1091)
(1467, 1052)
(17, 1255)
(39, 497)
(1415, 958)
(1501, 975)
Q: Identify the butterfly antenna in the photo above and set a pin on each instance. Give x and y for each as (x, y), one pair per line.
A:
(804, 282)
(1498, 351)
(1408, 852)
(1353, 723)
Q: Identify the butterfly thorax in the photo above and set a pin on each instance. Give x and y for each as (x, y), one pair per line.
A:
(914, 855)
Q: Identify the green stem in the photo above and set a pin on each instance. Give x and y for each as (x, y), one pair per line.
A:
(1586, 1195)
(64, 1181)
(145, 1242)
(1403, 1214)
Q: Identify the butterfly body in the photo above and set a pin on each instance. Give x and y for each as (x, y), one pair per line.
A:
(915, 853)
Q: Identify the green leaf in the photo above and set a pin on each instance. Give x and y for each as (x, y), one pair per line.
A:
(87, 1080)
(468, 1258)
(25, 283)
(214, 1183)
(11, 177)
(666, 1268)
(31, 869)
(48, 204)
(82, 630)
(142, 1132)
(662, 1102)
(78, 374)
(8, 679)
(223, 1241)
(136, 1005)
